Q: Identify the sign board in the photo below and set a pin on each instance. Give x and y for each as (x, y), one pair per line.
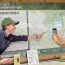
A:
(32, 57)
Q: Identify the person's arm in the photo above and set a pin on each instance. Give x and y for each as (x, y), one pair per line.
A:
(59, 40)
(6, 61)
(19, 38)
(25, 37)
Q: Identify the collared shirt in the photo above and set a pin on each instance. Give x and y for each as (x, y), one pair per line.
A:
(4, 39)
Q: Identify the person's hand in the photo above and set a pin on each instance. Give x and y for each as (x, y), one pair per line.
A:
(35, 36)
(56, 38)
(6, 60)
(59, 40)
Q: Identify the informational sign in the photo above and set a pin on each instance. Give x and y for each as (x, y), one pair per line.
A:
(32, 56)
(33, 22)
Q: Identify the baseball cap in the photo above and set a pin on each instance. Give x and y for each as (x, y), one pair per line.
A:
(8, 21)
